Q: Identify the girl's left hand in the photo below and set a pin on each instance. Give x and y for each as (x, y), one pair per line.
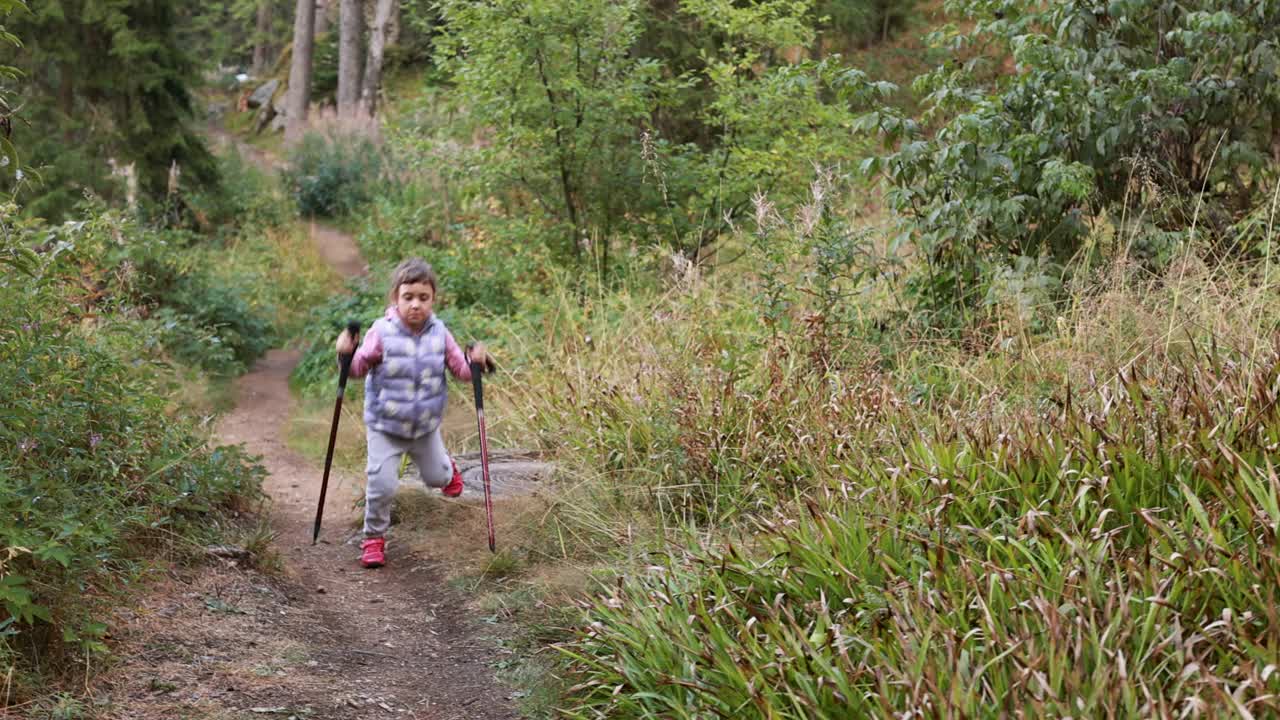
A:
(478, 354)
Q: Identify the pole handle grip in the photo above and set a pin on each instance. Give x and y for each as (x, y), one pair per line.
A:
(477, 369)
(344, 359)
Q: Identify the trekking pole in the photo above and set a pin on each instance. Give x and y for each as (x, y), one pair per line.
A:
(344, 369)
(477, 369)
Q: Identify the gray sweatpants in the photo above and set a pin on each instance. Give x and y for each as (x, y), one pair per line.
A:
(428, 454)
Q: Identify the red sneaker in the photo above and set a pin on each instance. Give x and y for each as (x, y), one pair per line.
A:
(454, 488)
(372, 553)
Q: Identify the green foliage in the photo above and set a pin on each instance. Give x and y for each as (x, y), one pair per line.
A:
(484, 266)
(419, 24)
(248, 200)
(105, 80)
(862, 21)
(565, 100)
(10, 163)
(636, 123)
(324, 73)
(332, 176)
(777, 126)
(753, 113)
(208, 324)
(1160, 109)
(224, 32)
(201, 317)
(95, 470)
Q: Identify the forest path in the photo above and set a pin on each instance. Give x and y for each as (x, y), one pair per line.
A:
(320, 638)
(337, 247)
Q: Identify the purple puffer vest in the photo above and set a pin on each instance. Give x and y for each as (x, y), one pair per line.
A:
(405, 394)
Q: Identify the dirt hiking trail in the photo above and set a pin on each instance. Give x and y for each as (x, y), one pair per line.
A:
(322, 638)
(336, 247)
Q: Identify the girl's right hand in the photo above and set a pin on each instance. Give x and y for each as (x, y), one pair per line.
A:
(346, 344)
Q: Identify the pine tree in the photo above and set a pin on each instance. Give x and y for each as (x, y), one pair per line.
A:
(107, 80)
(299, 98)
(262, 38)
(350, 30)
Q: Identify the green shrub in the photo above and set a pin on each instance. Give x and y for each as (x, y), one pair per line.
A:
(862, 22)
(643, 124)
(203, 317)
(247, 200)
(480, 264)
(203, 304)
(96, 475)
(1156, 113)
(332, 176)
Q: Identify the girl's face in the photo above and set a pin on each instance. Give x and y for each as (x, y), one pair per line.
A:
(413, 302)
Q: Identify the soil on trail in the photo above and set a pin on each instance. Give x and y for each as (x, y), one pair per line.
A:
(338, 249)
(321, 637)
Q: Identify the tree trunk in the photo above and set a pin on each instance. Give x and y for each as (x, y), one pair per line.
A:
(262, 38)
(304, 26)
(322, 16)
(386, 9)
(393, 25)
(351, 29)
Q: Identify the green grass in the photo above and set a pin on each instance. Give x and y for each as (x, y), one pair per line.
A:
(1074, 524)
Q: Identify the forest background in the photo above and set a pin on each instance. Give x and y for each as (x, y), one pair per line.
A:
(897, 357)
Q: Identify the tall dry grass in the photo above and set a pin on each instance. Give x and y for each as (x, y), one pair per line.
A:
(1079, 520)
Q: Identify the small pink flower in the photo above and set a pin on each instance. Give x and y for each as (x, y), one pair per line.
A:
(27, 445)
(94, 439)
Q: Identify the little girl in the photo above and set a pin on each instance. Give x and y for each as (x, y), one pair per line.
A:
(404, 355)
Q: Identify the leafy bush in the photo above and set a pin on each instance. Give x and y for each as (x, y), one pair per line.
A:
(247, 200)
(862, 21)
(482, 264)
(641, 124)
(332, 176)
(203, 317)
(210, 325)
(1157, 113)
(95, 473)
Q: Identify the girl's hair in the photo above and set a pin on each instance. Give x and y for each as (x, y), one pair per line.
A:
(413, 270)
